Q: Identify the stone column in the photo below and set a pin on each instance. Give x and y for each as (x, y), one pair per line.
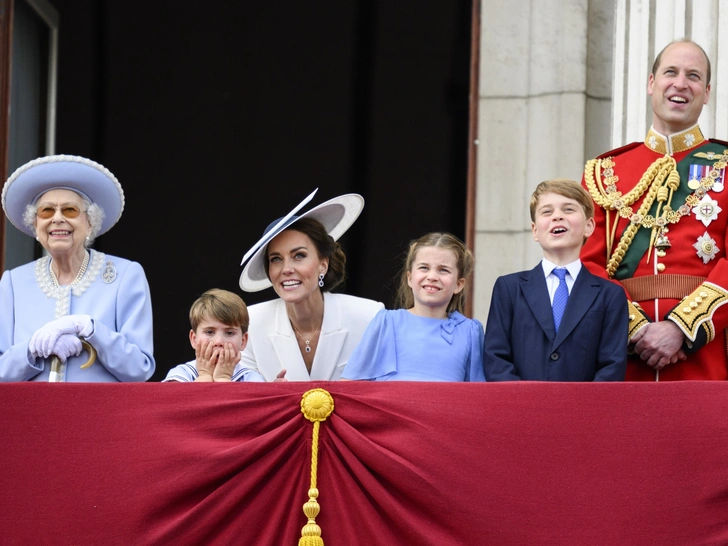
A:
(642, 29)
(562, 81)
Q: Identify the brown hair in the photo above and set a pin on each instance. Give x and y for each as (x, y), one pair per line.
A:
(567, 188)
(656, 64)
(463, 258)
(326, 247)
(221, 305)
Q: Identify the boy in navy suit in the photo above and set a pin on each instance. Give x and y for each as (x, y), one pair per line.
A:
(557, 322)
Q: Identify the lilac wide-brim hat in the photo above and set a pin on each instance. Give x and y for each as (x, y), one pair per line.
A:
(65, 172)
(337, 215)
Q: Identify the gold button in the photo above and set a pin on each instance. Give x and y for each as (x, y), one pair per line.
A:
(631, 318)
(703, 294)
(660, 267)
(699, 299)
(693, 305)
(686, 310)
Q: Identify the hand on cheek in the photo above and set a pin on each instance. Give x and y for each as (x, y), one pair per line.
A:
(206, 358)
(226, 362)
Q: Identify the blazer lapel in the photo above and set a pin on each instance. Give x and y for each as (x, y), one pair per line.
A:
(286, 347)
(582, 296)
(331, 341)
(536, 293)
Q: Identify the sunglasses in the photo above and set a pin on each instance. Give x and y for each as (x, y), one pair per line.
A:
(68, 211)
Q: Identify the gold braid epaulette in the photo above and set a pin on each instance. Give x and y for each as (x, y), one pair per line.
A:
(697, 310)
(661, 171)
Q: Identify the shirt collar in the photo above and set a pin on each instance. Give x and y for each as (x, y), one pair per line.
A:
(573, 268)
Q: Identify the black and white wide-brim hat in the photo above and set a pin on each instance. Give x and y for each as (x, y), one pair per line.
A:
(337, 215)
(62, 172)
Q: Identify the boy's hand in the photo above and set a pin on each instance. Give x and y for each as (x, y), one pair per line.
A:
(281, 376)
(206, 360)
(227, 358)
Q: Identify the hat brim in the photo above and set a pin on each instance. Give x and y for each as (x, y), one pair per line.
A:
(68, 172)
(336, 215)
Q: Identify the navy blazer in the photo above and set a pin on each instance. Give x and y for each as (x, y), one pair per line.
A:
(520, 338)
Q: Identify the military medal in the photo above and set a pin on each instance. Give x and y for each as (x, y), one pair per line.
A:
(662, 242)
(718, 180)
(706, 247)
(698, 173)
(707, 210)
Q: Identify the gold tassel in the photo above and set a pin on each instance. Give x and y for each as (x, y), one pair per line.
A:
(316, 406)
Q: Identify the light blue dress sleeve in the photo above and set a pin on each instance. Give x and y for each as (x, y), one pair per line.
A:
(125, 347)
(15, 362)
(375, 355)
(476, 372)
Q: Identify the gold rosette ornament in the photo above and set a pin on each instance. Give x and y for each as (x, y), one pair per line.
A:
(316, 406)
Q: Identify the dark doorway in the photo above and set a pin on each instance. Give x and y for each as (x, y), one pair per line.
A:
(217, 121)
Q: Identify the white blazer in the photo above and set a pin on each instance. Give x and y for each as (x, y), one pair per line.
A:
(272, 344)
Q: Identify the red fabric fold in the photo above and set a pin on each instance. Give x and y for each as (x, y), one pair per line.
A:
(399, 463)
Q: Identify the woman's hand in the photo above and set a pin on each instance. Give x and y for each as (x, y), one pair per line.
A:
(44, 339)
(67, 345)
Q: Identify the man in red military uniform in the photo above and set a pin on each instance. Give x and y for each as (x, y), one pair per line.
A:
(662, 227)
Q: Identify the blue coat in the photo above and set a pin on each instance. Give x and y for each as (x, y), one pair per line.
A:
(520, 338)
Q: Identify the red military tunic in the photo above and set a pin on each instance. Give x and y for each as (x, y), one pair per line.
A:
(662, 230)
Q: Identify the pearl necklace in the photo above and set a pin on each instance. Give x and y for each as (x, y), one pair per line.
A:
(307, 341)
(79, 276)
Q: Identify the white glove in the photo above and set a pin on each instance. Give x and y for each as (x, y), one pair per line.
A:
(44, 339)
(67, 345)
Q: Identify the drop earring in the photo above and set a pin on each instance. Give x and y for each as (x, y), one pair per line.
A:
(321, 280)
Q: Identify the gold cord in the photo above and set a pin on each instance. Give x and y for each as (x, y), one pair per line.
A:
(660, 174)
(316, 406)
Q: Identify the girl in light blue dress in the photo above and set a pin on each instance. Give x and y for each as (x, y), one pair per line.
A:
(428, 338)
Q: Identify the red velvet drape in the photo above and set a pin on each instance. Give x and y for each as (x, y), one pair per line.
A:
(399, 464)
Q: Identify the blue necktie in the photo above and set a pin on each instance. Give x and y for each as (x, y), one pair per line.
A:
(561, 296)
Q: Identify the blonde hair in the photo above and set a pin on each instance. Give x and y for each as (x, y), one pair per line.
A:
(463, 259)
(566, 187)
(222, 305)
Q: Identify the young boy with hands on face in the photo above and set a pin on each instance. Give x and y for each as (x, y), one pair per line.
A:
(219, 321)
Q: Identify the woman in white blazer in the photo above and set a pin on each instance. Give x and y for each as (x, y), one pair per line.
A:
(307, 331)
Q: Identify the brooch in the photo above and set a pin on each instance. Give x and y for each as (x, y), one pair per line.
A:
(109, 274)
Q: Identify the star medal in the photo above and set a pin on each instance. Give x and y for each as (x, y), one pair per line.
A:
(707, 210)
(706, 247)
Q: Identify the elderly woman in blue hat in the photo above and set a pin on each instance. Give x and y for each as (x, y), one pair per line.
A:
(307, 332)
(75, 314)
